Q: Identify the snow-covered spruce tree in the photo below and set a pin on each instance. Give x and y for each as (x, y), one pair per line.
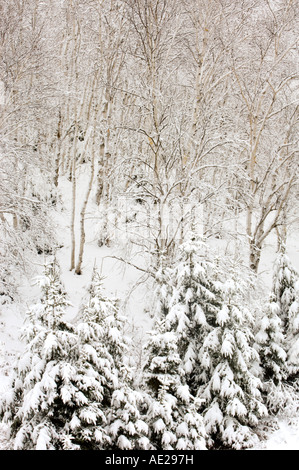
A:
(285, 289)
(284, 280)
(231, 392)
(270, 343)
(292, 341)
(62, 387)
(271, 347)
(172, 412)
(43, 389)
(128, 429)
(101, 313)
(103, 350)
(191, 308)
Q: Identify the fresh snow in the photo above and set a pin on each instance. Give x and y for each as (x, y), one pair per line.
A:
(122, 282)
(285, 437)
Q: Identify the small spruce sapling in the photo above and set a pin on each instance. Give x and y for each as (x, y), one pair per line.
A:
(101, 353)
(285, 288)
(192, 307)
(270, 343)
(43, 388)
(128, 428)
(172, 413)
(104, 350)
(292, 340)
(284, 280)
(231, 392)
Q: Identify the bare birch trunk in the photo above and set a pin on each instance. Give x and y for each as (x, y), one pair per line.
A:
(73, 214)
(58, 151)
(83, 212)
(104, 148)
(78, 269)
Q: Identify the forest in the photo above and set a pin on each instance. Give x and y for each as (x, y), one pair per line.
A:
(149, 255)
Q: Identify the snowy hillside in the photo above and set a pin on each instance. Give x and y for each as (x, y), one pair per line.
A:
(149, 197)
(121, 281)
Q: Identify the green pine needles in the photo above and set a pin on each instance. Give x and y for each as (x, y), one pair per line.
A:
(209, 376)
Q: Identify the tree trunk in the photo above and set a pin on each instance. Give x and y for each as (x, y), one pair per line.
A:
(254, 256)
(58, 152)
(73, 215)
(83, 212)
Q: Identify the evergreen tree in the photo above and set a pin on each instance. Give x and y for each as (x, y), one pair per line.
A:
(62, 388)
(105, 349)
(270, 344)
(284, 280)
(99, 330)
(101, 349)
(292, 340)
(44, 387)
(285, 288)
(128, 428)
(231, 392)
(192, 306)
(97, 365)
(172, 412)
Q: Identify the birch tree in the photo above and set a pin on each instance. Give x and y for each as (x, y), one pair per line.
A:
(269, 125)
(26, 99)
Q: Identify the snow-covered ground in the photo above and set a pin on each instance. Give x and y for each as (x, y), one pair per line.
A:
(122, 282)
(285, 437)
